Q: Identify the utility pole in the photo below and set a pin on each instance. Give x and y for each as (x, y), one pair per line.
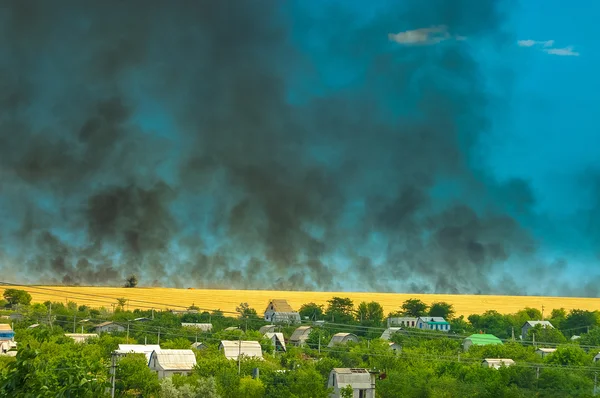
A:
(542, 312)
(50, 316)
(113, 371)
(513, 333)
(319, 342)
(158, 336)
(127, 332)
(533, 335)
(240, 355)
(74, 320)
(595, 383)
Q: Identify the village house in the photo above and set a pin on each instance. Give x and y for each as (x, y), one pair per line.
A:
(232, 349)
(404, 322)
(205, 327)
(395, 347)
(433, 323)
(361, 381)
(81, 337)
(277, 340)
(6, 332)
(279, 311)
(267, 329)
(300, 335)
(137, 349)
(387, 333)
(480, 339)
(544, 352)
(109, 327)
(342, 338)
(496, 363)
(531, 324)
(172, 362)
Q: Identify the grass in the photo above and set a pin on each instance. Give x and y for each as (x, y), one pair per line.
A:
(227, 300)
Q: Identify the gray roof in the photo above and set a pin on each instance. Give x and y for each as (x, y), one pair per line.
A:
(138, 349)
(202, 326)
(267, 329)
(300, 334)
(387, 333)
(232, 349)
(534, 323)
(274, 337)
(172, 360)
(357, 378)
(342, 338)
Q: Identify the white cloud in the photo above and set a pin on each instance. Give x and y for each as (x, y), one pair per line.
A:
(423, 36)
(531, 43)
(563, 52)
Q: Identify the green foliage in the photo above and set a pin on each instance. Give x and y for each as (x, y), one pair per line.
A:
(134, 377)
(546, 335)
(245, 311)
(347, 392)
(590, 339)
(17, 297)
(492, 322)
(251, 388)
(370, 314)
(311, 311)
(442, 309)
(569, 354)
(131, 281)
(578, 321)
(340, 310)
(414, 308)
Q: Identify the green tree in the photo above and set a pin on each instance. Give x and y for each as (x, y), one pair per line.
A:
(492, 322)
(131, 281)
(17, 297)
(578, 321)
(570, 355)
(443, 309)
(546, 335)
(251, 388)
(340, 310)
(121, 303)
(592, 338)
(134, 377)
(370, 314)
(311, 311)
(246, 311)
(414, 308)
(347, 392)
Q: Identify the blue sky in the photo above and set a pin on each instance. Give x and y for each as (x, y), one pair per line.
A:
(449, 145)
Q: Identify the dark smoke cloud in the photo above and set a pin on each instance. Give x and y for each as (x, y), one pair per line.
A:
(369, 182)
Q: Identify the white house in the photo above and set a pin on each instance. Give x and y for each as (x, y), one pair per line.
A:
(170, 362)
(404, 322)
(137, 349)
(361, 381)
(433, 323)
(279, 311)
(531, 324)
(496, 363)
(108, 327)
(387, 333)
(205, 327)
(342, 338)
(544, 352)
(277, 340)
(300, 335)
(233, 349)
(81, 337)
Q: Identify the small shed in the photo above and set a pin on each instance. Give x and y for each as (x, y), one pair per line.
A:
(205, 327)
(361, 381)
(108, 327)
(544, 352)
(277, 340)
(597, 357)
(198, 346)
(480, 339)
(233, 349)
(342, 338)
(138, 349)
(81, 337)
(395, 347)
(267, 329)
(496, 363)
(300, 335)
(279, 311)
(387, 333)
(170, 362)
(531, 324)
(6, 332)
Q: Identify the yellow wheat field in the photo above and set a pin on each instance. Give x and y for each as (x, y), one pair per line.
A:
(227, 300)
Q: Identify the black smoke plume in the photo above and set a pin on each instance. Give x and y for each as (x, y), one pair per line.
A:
(198, 143)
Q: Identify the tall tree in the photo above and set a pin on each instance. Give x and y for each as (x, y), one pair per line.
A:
(340, 310)
(414, 307)
(370, 313)
(16, 296)
(311, 311)
(443, 309)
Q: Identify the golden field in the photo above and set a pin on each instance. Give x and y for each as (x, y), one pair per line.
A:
(227, 300)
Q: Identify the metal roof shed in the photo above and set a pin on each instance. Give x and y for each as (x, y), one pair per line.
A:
(342, 338)
(169, 362)
(233, 349)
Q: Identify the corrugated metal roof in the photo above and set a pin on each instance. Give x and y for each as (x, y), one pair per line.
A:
(547, 350)
(342, 338)
(267, 329)
(138, 349)
(280, 305)
(543, 323)
(274, 337)
(172, 360)
(434, 319)
(387, 333)
(300, 334)
(483, 339)
(357, 378)
(5, 327)
(497, 362)
(202, 326)
(232, 349)
(104, 324)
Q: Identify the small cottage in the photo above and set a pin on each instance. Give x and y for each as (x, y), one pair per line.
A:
(277, 340)
(171, 362)
(433, 323)
(496, 363)
(387, 333)
(404, 322)
(361, 381)
(234, 348)
(205, 327)
(342, 338)
(531, 324)
(544, 352)
(109, 327)
(6, 332)
(81, 337)
(279, 311)
(267, 329)
(480, 339)
(147, 350)
(300, 335)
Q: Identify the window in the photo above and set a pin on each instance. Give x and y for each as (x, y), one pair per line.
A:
(362, 393)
